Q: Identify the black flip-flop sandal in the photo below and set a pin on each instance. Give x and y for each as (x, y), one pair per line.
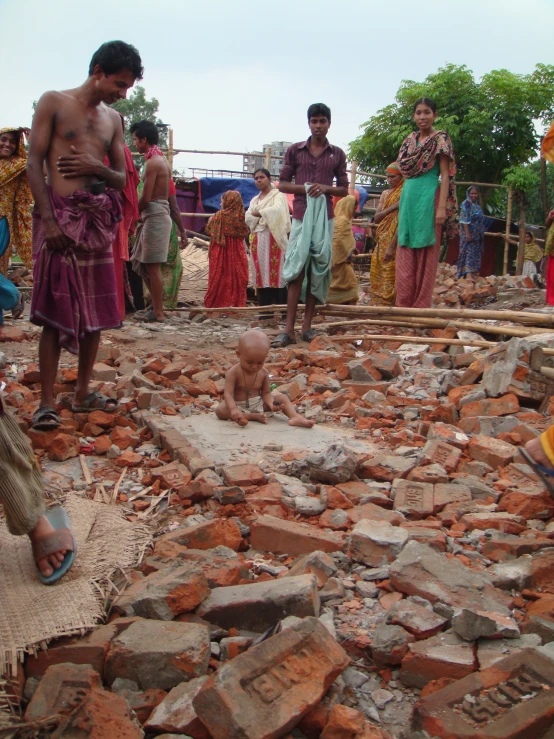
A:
(46, 418)
(103, 403)
(309, 335)
(282, 340)
(546, 474)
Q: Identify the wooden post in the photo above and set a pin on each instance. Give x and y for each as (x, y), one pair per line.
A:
(521, 245)
(353, 173)
(508, 224)
(170, 151)
(268, 159)
(544, 190)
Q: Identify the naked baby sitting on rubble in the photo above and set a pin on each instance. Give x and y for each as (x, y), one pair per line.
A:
(247, 395)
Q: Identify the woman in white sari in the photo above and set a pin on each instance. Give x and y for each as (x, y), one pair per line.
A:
(268, 219)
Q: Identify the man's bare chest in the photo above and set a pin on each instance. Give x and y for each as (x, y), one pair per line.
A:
(82, 128)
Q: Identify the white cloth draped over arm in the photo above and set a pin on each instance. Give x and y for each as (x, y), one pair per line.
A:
(274, 209)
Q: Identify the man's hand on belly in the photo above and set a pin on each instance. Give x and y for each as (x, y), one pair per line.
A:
(78, 164)
(55, 238)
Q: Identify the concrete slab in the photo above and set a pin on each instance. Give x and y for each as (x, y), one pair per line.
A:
(225, 441)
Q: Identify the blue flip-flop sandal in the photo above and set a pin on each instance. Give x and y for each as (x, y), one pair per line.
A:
(61, 539)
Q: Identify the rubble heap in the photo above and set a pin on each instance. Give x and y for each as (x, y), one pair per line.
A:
(403, 592)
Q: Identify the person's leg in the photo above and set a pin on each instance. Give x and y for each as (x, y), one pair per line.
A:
(156, 288)
(48, 359)
(293, 298)
(88, 348)
(21, 491)
(136, 285)
(290, 411)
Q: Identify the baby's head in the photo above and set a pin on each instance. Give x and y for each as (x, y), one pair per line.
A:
(253, 350)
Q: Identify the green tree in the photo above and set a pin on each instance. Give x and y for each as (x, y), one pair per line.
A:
(137, 107)
(491, 121)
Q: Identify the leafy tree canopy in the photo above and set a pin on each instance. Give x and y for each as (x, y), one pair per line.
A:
(137, 107)
(491, 121)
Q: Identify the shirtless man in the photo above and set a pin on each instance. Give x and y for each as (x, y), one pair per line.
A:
(152, 242)
(76, 219)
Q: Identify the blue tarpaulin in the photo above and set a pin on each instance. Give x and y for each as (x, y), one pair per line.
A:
(212, 189)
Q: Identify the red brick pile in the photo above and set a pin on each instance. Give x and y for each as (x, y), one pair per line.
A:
(390, 593)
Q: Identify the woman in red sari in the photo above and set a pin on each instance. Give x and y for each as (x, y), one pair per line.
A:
(228, 273)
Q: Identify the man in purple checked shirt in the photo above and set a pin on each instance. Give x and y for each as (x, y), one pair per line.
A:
(314, 165)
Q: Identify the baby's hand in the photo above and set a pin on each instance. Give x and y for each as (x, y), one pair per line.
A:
(238, 417)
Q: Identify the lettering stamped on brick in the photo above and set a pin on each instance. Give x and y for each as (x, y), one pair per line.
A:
(512, 698)
(490, 704)
(270, 685)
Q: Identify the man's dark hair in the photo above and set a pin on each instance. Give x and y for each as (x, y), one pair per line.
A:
(264, 170)
(317, 109)
(146, 130)
(113, 56)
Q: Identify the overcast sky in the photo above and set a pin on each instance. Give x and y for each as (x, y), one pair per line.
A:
(235, 74)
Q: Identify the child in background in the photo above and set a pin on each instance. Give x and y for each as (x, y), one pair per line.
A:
(247, 393)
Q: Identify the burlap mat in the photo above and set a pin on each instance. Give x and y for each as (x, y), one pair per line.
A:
(31, 614)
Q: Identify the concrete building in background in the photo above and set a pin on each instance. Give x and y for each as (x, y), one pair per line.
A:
(256, 159)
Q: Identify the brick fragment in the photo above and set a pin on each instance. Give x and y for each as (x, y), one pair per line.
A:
(413, 499)
(164, 594)
(443, 655)
(263, 693)
(176, 714)
(270, 534)
(159, 654)
(513, 698)
(61, 689)
(101, 715)
(260, 605)
(376, 543)
(208, 535)
(243, 475)
(491, 451)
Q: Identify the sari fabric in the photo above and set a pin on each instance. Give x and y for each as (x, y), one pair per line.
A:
(415, 160)
(229, 221)
(344, 283)
(172, 271)
(16, 202)
(471, 250)
(382, 275)
(228, 268)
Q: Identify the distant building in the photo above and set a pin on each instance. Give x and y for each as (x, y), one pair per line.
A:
(256, 159)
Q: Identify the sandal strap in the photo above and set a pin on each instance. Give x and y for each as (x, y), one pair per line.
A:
(57, 542)
(45, 411)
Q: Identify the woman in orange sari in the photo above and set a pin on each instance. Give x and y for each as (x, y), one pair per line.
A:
(382, 274)
(228, 271)
(15, 196)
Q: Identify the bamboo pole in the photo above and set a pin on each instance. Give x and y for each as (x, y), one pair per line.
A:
(521, 244)
(533, 319)
(197, 215)
(482, 184)
(416, 340)
(267, 163)
(354, 171)
(170, 153)
(507, 236)
(483, 328)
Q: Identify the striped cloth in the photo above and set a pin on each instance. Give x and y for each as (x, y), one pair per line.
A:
(21, 491)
